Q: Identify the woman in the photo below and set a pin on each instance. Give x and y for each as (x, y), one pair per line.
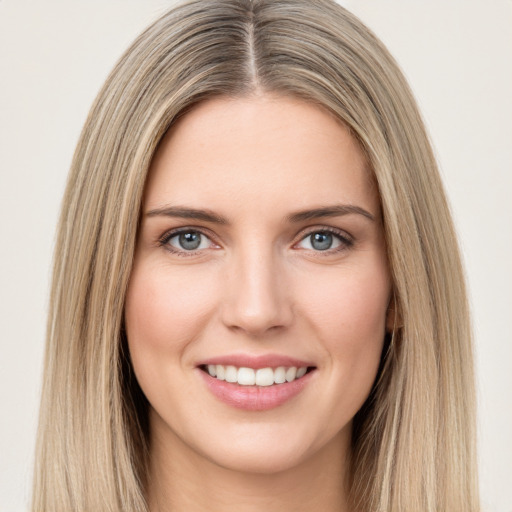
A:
(257, 297)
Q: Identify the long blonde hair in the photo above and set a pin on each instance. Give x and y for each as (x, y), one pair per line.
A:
(414, 439)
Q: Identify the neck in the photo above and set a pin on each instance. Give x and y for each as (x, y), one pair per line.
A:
(180, 479)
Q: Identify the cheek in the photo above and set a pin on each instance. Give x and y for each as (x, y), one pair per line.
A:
(347, 310)
(164, 311)
(350, 304)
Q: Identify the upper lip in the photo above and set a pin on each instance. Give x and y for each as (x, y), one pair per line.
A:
(256, 361)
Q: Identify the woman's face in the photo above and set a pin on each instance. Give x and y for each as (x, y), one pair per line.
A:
(260, 248)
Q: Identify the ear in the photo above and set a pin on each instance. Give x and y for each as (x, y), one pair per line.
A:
(393, 316)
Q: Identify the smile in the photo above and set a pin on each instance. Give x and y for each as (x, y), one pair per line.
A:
(256, 377)
(256, 383)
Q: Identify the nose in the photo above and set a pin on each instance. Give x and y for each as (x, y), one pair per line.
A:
(257, 301)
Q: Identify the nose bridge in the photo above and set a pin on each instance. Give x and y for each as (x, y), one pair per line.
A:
(257, 300)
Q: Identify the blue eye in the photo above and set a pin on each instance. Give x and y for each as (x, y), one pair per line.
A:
(188, 241)
(324, 241)
(321, 241)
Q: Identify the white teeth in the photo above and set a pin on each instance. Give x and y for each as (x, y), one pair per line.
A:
(261, 377)
(300, 372)
(246, 377)
(231, 374)
(220, 371)
(291, 373)
(264, 377)
(280, 375)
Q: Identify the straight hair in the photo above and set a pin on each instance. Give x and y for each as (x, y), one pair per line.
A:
(413, 444)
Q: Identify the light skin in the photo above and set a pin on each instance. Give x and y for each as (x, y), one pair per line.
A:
(290, 261)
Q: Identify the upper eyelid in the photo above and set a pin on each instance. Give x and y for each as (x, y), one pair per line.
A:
(186, 229)
(329, 229)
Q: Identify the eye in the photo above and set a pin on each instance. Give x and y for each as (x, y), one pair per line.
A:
(324, 240)
(187, 241)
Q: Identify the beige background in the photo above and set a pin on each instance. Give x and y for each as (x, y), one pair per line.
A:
(54, 55)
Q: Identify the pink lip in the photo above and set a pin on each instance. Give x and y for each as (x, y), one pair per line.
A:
(255, 398)
(256, 362)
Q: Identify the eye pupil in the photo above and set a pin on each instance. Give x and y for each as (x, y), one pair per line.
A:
(321, 241)
(190, 240)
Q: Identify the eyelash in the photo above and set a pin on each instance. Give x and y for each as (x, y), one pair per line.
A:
(163, 241)
(346, 242)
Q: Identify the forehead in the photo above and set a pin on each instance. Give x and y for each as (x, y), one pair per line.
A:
(268, 150)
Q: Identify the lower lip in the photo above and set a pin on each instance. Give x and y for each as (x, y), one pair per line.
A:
(255, 398)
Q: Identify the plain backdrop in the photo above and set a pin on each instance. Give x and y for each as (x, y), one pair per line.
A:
(55, 54)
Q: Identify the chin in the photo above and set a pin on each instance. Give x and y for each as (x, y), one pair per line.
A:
(253, 461)
(270, 452)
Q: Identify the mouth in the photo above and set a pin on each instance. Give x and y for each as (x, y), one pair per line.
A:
(256, 384)
(261, 377)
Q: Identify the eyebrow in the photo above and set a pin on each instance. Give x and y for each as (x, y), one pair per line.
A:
(302, 216)
(188, 213)
(329, 211)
